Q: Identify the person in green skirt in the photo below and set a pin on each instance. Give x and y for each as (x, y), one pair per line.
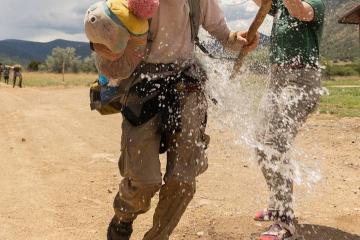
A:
(292, 95)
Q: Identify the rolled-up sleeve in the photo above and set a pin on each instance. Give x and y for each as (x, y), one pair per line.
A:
(119, 69)
(319, 9)
(127, 63)
(212, 20)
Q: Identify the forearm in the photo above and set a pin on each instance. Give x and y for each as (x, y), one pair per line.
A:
(300, 10)
(120, 69)
(213, 21)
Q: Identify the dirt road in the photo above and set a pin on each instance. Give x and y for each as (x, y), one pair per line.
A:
(59, 175)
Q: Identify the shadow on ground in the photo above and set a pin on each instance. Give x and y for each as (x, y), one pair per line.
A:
(316, 232)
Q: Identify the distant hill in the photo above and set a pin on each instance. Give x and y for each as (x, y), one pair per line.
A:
(340, 41)
(23, 52)
(26, 51)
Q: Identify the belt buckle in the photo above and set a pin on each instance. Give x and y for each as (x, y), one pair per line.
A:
(181, 87)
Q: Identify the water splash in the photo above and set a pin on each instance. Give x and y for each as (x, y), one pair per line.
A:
(237, 109)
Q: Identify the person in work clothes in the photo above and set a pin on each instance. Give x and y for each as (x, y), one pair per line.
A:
(17, 74)
(293, 94)
(1, 70)
(172, 81)
(6, 74)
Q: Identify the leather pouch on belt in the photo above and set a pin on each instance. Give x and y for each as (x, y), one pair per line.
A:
(105, 99)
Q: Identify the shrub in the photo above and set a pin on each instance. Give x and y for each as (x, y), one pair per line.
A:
(343, 70)
(33, 66)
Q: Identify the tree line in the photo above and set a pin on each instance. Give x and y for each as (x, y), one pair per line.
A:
(64, 59)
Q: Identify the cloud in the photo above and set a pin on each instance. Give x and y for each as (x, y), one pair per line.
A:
(240, 14)
(43, 20)
(46, 20)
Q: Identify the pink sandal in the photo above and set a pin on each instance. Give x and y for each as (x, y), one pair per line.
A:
(278, 231)
(266, 215)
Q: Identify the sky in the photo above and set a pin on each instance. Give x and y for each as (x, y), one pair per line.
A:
(47, 20)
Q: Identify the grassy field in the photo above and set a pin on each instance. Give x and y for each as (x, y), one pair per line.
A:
(39, 79)
(344, 97)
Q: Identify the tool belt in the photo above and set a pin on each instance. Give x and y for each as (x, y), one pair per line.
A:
(159, 90)
(104, 99)
(155, 89)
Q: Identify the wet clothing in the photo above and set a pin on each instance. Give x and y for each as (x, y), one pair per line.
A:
(292, 96)
(140, 165)
(154, 92)
(181, 115)
(295, 42)
(139, 161)
(170, 34)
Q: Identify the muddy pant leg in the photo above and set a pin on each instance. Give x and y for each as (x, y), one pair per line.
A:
(292, 97)
(20, 81)
(140, 166)
(272, 157)
(133, 199)
(186, 159)
(173, 200)
(278, 175)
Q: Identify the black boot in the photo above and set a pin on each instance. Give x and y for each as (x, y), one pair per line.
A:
(118, 230)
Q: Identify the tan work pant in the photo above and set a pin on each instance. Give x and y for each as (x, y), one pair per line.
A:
(15, 76)
(140, 167)
(292, 96)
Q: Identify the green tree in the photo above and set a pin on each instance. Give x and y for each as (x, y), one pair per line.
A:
(88, 65)
(33, 66)
(63, 60)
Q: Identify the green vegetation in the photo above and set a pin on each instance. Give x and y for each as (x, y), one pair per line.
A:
(344, 97)
(23, 52)
(39, 79)
(60, 59)
(10, 61)
(33, 66)
(343, 68)
(340, 41)
(65, 59)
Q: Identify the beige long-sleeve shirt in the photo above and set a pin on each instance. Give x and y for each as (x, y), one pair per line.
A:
(171, 36)
(171, 29)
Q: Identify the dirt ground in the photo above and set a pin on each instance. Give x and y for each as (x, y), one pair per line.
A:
(59, 175)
